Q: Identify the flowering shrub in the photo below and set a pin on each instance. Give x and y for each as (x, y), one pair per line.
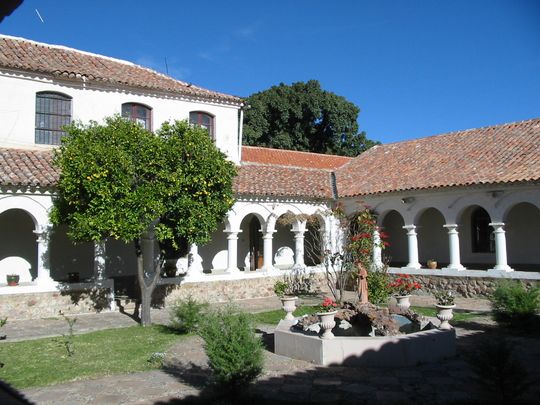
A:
(444, 297)
(404, 285)
(328, 305)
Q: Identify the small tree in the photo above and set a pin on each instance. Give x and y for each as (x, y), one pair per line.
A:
(121, 181)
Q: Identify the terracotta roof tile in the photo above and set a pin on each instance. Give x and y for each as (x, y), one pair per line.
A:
(272, 180)
(504, 153)
(23, 54)
(19, 167)
(254, 154)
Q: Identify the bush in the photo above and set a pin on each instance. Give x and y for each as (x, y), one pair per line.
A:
(512, 303)
(378, 286)
(186, 314)
(234, 352)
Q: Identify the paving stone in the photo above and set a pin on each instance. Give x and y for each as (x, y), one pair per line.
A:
(357, 388)
(327, 381)
(296, 388)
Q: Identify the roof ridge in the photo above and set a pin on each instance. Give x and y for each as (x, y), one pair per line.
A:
(315, 169)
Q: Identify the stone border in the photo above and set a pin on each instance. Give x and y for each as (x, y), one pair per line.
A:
(381, 351)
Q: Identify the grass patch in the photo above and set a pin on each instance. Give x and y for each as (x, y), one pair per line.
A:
(458, 315)
(273, 317)
(45, 362)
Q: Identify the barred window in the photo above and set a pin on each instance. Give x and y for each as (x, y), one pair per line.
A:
(204, 120)
(139, 113)
(53, 111)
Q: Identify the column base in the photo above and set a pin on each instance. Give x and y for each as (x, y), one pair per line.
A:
(416, 266)
(455, 268)
(45, 281)
(232, 270)
(501, 269)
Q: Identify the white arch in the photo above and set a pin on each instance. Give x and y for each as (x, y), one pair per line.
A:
(235, 218)
(506, 204)
(37, 211)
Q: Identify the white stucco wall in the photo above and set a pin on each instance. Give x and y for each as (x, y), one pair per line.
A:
(95, 102)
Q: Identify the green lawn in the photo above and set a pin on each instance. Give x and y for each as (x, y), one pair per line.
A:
(273, 317)
(45, 361)
(458, 316)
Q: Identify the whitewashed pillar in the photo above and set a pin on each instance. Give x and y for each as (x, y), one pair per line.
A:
(195, 268)
(453, 246)
(99, 260)
(500, 247)
(412, 243)
(43, 255)
(267, 251)
(299, 248)
(377, 250)
(232, 251)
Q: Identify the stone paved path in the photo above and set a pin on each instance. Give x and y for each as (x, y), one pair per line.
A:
(186, 372)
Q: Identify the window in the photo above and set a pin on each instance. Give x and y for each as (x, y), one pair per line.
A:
(483, 240)
(138, 113)
(53, 111)
(204, 120)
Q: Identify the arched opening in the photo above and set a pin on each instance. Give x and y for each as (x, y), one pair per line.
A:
(522, 238)
(432, 238)
(283, 244)
(396, 254)
(313, 242)
(214, 253)
(69, 257)
(476, 239)
(250, 244)
(17, 239)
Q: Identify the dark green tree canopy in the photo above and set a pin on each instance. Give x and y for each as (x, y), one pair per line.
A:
(117, 178)
(304, 117)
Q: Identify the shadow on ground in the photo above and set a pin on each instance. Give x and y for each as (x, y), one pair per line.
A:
(494, 365)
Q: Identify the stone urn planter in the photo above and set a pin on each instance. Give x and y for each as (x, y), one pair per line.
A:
(12, 280)
(289, 306)
(432, 264)
(403, 301)
(327, 322)
(445, 314)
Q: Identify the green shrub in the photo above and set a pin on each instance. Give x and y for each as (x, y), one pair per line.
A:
(234, 352)
(512, 303)
(378, 286)
(186, 314)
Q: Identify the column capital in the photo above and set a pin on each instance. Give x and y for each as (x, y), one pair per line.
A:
(497, 225)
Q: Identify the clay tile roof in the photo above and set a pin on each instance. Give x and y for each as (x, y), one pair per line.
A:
(254, 154)
(19, 167)
(504, 153)
(272, 180)
(67, 63)
(22, 167)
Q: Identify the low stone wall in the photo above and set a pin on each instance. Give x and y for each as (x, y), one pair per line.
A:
(48, 304)
(466, 286)
(225, 290)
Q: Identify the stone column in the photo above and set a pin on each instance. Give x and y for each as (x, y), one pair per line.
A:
(299, 248)
(43, 255)
(232, 251)
(500, 247)
(453, 245)
(195, 268)
(99, 261)
(267, 252)
(413, 247)
(377, 250)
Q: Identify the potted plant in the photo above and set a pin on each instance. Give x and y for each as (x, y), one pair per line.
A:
(288, 302)
(402, 288)
(432, 264)
(326, 312)
(12, 279)
(445, 307)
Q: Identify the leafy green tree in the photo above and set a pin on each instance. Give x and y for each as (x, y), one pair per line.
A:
(121, 181)
(304, 117)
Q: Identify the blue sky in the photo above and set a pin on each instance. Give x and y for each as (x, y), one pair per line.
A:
(415, 68)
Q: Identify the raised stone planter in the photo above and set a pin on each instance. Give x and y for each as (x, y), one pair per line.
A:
(381, 351)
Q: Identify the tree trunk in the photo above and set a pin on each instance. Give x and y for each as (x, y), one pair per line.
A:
(147, 279)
